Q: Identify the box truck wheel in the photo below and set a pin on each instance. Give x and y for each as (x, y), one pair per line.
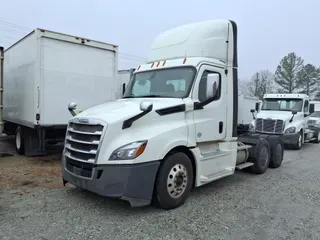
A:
(277, 150)
(262, 157)
(174, 181)
(19, 140)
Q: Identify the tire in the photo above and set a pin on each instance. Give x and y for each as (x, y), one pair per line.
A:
(179, 167)
(261, 159)
(317, 138)
(19, 141)
(298, 144)
(277, 151)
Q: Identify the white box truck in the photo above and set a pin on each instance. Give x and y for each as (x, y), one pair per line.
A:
(1, 88)
(175, 127)
(124, 77)
(44, 71)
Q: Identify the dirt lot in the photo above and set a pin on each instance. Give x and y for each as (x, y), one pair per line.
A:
(21, 173)
(283, 204)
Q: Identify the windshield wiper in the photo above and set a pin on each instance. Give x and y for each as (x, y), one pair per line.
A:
(147, 96)
(130, 96)
(151, 96)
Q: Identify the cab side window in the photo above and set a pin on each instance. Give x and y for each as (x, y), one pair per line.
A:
(306, 106)
(202, 94)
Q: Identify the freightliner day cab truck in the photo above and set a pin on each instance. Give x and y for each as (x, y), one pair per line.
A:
(175, 127)
(42, 72)
(314, 119)
(287, 115)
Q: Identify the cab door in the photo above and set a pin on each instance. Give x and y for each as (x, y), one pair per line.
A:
(210, 118)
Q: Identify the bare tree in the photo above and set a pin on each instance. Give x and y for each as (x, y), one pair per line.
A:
(243, 87)
(261, 83)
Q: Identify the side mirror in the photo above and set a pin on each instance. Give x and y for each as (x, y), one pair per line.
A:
(252, 110)
(146, 106)
(311, 108)
(257, 107)
(71, 107)
(212, 85)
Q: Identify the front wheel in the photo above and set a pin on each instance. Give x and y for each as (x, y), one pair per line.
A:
(174, 181)
(298, 144)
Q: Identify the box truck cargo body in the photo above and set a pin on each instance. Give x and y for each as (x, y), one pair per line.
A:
(46, 70)
(124, 77)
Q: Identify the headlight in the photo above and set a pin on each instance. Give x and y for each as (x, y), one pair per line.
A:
(251, 127)
(290, 130)
(129, 151)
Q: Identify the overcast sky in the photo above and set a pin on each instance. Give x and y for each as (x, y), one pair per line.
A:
(268, 30)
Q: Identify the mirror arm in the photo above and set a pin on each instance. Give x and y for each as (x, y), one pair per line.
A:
(73, 113)
(254, 117)
(291, 118)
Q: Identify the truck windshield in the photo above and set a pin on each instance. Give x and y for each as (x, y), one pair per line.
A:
(276, 104)
(315, 114)
(171, 83)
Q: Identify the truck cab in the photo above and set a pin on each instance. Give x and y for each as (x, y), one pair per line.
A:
(287, 115)
(175, 127)
(314, 119)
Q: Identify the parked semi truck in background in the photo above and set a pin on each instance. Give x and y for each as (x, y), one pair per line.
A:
(314, 119)
(42, 72)
(287, 115)
(175, 127)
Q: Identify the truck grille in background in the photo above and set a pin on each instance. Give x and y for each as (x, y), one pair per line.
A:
(311, 122)
(81, 147)
(269, 125)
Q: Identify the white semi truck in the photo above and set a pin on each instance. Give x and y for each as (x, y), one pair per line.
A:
(175, 127)
(287, 115)
(314, 119)
(42, 72)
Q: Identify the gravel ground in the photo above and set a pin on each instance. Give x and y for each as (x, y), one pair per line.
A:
(283, 203)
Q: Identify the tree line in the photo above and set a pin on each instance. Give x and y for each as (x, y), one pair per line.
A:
(292, 75)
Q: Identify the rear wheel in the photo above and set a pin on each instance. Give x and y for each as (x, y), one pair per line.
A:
(174, 181)
(262, 157)
(317, 140)
(19, 141)
(277, 150)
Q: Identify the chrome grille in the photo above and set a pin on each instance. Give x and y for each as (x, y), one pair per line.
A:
(269, 125)
(82, 141)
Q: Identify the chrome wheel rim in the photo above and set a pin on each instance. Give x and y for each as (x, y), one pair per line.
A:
(18, 140)
(177, 180)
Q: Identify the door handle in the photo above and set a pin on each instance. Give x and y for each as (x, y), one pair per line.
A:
(220, 127)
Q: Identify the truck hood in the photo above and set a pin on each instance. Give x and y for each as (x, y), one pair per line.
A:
(122, 109)
(283, 115)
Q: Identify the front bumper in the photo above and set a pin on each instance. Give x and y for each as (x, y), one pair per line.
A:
(291, 138)
(133, 183)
